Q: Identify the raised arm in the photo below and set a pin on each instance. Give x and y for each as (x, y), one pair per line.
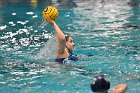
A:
(120, 88)
(60, 36)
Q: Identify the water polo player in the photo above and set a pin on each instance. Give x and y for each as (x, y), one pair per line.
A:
(65, 43)
(101, 85)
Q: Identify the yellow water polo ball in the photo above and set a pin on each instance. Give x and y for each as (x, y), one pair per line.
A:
(50, 12)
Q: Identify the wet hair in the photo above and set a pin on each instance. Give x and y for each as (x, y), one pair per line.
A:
(67, 37)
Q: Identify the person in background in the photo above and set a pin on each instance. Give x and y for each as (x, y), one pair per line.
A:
(65, 44)
(102, 85)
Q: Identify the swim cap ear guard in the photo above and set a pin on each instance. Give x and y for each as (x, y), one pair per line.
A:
(100, 84)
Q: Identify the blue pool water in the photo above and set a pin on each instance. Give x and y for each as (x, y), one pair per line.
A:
(106, 34)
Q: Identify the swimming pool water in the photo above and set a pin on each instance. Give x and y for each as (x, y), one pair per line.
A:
(106, 34)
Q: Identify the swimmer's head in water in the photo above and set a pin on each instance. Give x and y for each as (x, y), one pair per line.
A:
(100, 84)
(69, 43)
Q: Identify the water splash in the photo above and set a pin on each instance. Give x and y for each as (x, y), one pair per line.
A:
(41, 26)
(49, 49)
